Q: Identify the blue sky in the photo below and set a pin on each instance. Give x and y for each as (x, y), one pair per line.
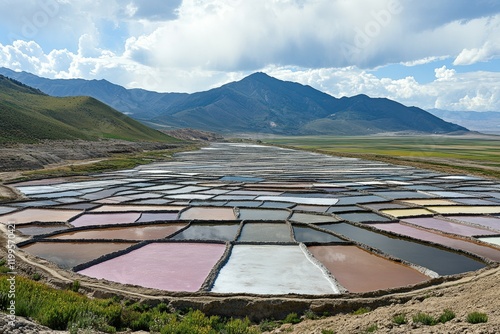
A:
(433, 54)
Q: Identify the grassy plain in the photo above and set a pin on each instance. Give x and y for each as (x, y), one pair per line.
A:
(470, 154)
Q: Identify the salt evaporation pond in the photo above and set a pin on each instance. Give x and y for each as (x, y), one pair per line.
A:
(490, 222)
(169, 266)
(441, 261)
(39, 215)
(360, 271)
(208, 214)
(40, 229)
(155, 217)
(141, 232)
(70, 254)
(272, 270)
(307, 234)
(267, 214)
(266, 232)
(283, 213)
(93, 219)
(420, 234)
(491, 240)
(448, 227)
(218, 232)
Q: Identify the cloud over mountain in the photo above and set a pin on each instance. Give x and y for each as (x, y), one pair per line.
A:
(192, 45)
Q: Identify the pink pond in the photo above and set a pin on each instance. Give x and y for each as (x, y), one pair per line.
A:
(142, 232)
(165, 266)
(200, 213)
(487, 221)
(448, 227)
(92, 219)
(39, 215)
(417, 233)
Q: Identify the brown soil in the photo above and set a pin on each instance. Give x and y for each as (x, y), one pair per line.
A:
(193, 134)
(21, 157)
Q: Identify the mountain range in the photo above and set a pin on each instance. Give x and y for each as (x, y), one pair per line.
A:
(28, 115)
(258, 103)
(482, 121)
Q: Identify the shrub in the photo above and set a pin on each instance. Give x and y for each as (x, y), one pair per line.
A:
(477, 318)
(311, 315)
(446, 316)
(238, 326)
(75, 286)
(371, 328)
(425, 319)
(361, 310)
(292, 318)
(36, 277)
(3, 268)
(399, 319)
(67, 310)
(269, 325)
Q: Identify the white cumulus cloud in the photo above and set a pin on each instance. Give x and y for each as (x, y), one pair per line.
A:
(471, 56)
(193, 45)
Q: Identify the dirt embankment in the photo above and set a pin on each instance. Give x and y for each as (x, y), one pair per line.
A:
(17, 157)
(194, 135)
(478, 292)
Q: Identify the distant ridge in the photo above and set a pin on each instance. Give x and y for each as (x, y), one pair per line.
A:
(257, 103)
(28, 115)
(129, 101)
(483, 121)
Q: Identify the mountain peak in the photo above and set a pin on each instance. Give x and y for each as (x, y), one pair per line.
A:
(257, 103)
(260, 75)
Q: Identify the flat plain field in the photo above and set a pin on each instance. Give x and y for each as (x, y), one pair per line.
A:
(469, 154)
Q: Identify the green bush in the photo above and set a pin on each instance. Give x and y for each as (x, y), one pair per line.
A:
(310, 315)
(36, 277)
(371, 328)
(425, 319)
(292, 318)
(269, 325)
(238, 326)
(68, 310)
(75, 286)
(3, 268)
(399, 319)
(477, 318)
(361, 310)
(446, 316)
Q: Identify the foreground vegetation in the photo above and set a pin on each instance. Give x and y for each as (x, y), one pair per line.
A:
(72, 311)
(69, 310)
(477, 155)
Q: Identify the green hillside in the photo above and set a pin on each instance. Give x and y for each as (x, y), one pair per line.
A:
(28, 115)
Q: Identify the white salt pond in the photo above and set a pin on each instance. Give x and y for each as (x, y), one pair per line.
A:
(273, 270)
